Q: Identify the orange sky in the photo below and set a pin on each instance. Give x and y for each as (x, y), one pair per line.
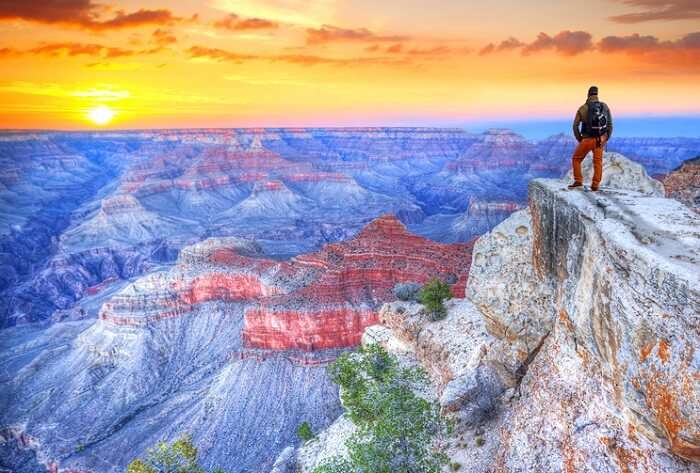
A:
(327, 63)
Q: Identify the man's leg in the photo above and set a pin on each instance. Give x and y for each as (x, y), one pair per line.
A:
(579, 153)
(598, 164)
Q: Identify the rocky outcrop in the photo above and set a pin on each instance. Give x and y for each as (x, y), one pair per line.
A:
(586, 359)
(619, 173)
(683, 183)
(625, 271)
(595, 266)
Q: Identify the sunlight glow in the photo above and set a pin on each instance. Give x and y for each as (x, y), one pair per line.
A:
(101, 115)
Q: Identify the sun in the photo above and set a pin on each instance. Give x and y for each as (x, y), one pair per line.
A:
(100, 115)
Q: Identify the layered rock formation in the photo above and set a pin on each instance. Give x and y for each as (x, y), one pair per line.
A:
(579, 350)
(227, 344)
(683, 183)
(77, 206)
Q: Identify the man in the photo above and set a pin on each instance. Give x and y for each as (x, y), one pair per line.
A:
(593, 128)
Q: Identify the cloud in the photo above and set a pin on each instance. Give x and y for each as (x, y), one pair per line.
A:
(71, 49)
(438, 51)
(233, 22)
(80, 49)
(82, 14)
(653, 10)
(570, 43)
(567, 43)
(329, 34)
(505, 45)
(202, 52)
(163, 37)
(637, 44)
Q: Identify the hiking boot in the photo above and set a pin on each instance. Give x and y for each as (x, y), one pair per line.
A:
(575, 185)
(595, 188)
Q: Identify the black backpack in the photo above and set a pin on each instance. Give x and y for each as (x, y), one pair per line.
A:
(597, 121)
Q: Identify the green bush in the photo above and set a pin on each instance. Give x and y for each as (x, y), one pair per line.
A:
(178, 457)
(433, 296)
(397, 431)
(304, 432)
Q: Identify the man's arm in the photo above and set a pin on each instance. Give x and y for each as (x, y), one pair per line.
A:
(577, 125)
(610, 123)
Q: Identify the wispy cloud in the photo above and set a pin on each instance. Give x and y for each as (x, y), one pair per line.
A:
(163, 37)
(653, 10)
(82, 14)
(647, 47)
(233, 22)
(70, 49)
(505, 45)
(215, 54)
(330, 34)
(308, 13)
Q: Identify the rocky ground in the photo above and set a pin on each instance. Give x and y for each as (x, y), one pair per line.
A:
(575, 347)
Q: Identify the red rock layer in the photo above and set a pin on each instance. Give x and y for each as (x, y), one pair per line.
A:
(357, 276)
(318, 301)
(225, 287)
(308, 331)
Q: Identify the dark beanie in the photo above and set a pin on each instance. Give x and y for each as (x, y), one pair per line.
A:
(593, 90)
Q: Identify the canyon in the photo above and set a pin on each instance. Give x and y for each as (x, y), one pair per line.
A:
(157, 282)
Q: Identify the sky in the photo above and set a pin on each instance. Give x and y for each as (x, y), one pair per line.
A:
(239, 63)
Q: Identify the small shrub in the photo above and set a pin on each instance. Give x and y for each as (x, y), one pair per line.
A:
(406, 291)
(433, 296)
(397, 431)
(454, 466)
(479, 441)
(179, 456)
(304, 432)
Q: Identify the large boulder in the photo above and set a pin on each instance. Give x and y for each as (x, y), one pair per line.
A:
(622, 174)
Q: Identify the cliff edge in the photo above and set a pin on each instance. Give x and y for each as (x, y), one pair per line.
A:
(576, 346)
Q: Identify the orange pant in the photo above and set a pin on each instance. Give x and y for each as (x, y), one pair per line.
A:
(586, 145)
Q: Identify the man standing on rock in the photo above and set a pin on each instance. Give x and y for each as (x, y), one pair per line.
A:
(593, 127)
